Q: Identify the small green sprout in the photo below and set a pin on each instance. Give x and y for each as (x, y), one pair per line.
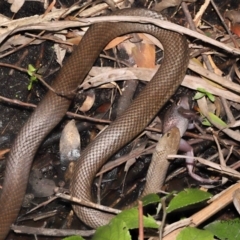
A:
(202, 92)
(31, 71)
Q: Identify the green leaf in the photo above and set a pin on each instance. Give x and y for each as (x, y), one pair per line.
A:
(215, 119)
(29, 86)
(225, 229)
(198, 95)
(32, 79)
(130, 217)
(188, 197)
(189, 233)
(73, 238)
(206, 123)
(203, 92)
(31, 68)
(116, 229)
(150, 198)
(210, 96)
(29, 73)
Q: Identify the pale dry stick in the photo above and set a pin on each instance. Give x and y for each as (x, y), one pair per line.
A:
(176, 225)
(229, 153)
(146, 74)
(8, 26)
(123, 159)
(221, 158)
(201, 11)
(102, 76)
(217, 203)
(42, 204)
(57, 26)
(98, 8)
(53, 39)
(73, 8)
(50, 7)
(202, 136)
(44, 215)
(213, 166)
(89, 9)
(188, 16)
(162, 24)
(87, 203)
(22, 46)
(17, 102)
(229, 114)
(83, 117)
(52, 231)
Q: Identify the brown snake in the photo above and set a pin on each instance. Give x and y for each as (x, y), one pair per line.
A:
(53, 107)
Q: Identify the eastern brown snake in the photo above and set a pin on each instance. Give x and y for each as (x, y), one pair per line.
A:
(53, 108)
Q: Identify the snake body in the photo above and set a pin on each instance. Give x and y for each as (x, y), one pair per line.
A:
(53, 107)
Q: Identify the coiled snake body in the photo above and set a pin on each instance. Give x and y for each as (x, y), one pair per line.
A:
(53, 107)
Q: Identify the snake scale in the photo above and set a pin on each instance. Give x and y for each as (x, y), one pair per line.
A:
(53, 107)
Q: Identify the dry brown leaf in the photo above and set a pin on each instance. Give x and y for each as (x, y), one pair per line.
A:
(17, 40)
(236, 29)
(216, 69)
(49, 8)
(3, 152)
(115, 42)
(88, 103)
(16, 5)
(199, 14)
(166, 4)
(142, 53)
(60, 52)
(69, 144)
(75, 40)
(233, 16)
(4, 19)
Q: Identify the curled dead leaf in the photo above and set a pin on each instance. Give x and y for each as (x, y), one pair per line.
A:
(166, 4)
(69, 145)
(236, 29)
(16, 5)
(88, 103)
(233, 16)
